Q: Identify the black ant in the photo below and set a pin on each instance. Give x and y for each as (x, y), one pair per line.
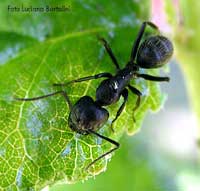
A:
(87, 116)
(154, 52)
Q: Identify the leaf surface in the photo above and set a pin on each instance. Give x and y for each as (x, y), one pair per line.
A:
(37, 148)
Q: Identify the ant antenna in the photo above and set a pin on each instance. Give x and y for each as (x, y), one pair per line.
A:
(103, 155)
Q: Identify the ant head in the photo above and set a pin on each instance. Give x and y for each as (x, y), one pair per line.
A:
(154, 52)
(87, 115)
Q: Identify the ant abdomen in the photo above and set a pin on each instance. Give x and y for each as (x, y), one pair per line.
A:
(86, 115)
(154, 52)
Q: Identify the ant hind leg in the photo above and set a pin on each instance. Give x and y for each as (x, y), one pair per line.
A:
(139, 37)
(153, 78)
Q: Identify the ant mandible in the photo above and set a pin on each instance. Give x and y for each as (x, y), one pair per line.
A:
(154, 52)
(85, 117)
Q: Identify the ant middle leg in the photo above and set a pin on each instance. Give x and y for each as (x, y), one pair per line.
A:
(110, 52)
(137, 104)
(139, 37)
(116, 144)
(125, 95)
(153, 78)
(101, 75)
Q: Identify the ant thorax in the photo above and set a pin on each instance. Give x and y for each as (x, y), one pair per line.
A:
(87, 116)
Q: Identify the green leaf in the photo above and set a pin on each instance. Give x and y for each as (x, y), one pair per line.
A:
(134, 167)
(11, 44)
(37, 148)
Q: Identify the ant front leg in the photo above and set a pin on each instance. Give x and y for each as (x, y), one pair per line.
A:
(116, 144)
(110, 52)
(139, 37)
(63, 93)
(125, 95)
(153, 78)
(101, 75)
(137, 104)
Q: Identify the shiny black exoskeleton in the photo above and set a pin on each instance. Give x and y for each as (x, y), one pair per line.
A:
(86, 117)
(153, 52)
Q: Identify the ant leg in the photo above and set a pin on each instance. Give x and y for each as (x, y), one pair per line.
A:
(139, 37)
(103, 155)
(101, 75)
(63, 93)
(137, 104)
(153, 78)
(125, 95)
(109, 51)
